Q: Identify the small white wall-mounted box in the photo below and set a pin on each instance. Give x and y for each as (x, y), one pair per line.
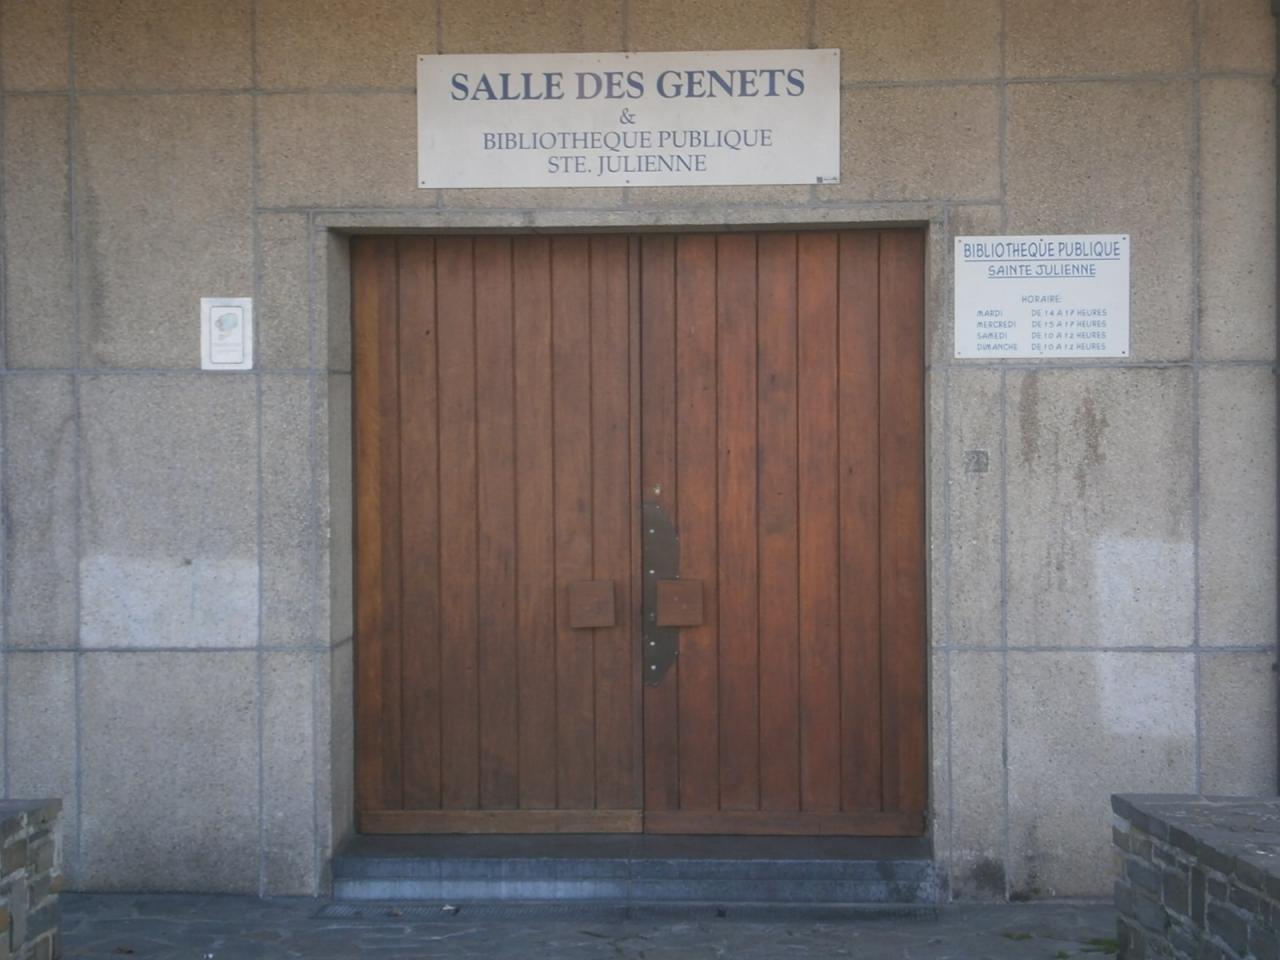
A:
(226, 333)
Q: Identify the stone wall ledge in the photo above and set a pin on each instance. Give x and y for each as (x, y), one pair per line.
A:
(1199, 877)
(37, 813)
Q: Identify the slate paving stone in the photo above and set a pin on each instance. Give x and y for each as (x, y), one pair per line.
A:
(115, 926)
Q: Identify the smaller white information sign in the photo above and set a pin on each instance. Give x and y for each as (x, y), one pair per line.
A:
(226, 333)
(1042, 296)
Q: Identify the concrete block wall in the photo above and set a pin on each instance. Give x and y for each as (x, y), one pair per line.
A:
(30, 880)
(1197, 877)
(176, 649)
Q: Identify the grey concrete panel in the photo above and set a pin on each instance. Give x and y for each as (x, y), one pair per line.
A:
(293, 607)
(165, 201)
(977, 775)
(4, 526)
(39, 306)
(939, 283)
(341, 740)
(193, 45)
(343, 43)
(532, 198)
(1083, 726)
(332, 294)
(1237, 506)
(40, 475)
(531, 26)
(1237, 220)
(717, 24)
(34, 45)
(1048, 38)
(321, 457)
(170, 506)
(936, 507)
(341, 541)
(918, 143)
(1237, 726)
(339, 150)
(1237, 35)
(783, 194)
(939, 718)
(41, 718)
(885, 40)
(975, 533)
(323, 837)
(288, 772)
(940, 756)
(4, 717)
(169, 769)
(283, 313)
(1100, 513)
(1079, 162)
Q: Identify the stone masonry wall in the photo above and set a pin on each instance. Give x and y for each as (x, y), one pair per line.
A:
(1199, 878)
(30, 880)
(175, 545)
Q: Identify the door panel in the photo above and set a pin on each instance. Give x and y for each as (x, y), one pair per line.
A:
(379, 727)
(858, 407)
(420, 522)
(516, 400)
(902, 595)
(818, 483)
(783, 427)
(494, 468)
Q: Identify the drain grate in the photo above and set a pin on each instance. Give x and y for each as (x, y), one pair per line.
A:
(620, 912)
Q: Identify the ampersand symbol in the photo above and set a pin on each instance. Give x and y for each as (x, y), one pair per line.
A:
(627, 117)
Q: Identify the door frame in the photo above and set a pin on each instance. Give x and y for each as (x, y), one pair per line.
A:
(330, 273)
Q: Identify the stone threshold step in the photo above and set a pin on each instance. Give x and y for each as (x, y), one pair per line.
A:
(609, 911)
(634, 869)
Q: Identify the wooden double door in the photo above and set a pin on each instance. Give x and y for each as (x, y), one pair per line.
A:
(640, 533)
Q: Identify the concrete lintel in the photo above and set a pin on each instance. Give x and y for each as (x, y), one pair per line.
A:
(630, 219)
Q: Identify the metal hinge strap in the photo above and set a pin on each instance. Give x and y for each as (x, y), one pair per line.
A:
(661, 555)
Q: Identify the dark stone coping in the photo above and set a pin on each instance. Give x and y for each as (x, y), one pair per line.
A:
(43, 809)
(37, 813)
(1228, 834)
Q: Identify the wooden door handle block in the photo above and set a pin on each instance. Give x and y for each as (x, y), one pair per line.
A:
(679, 603)
(591, 604)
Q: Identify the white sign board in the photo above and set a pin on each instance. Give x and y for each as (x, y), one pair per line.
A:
(1029, 297)
(226, 333)
(629, 119)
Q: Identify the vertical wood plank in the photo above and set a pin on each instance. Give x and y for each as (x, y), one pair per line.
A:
(571, 386)
(699, 728)
(902, 516)
(819, 474)
(658, 459)
(420, 524)
(535, 536)
(617, 783)
(738, 587)
(459, 727)
(778, 602)
(859, 413)
(378, 616)
(495, 448)
(635, 611)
